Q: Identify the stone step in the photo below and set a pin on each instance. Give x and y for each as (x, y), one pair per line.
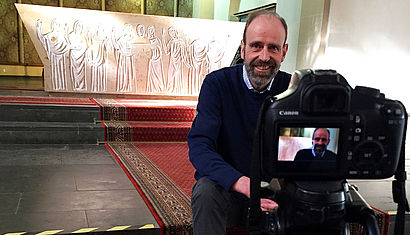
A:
(50, 133)
(49, 113)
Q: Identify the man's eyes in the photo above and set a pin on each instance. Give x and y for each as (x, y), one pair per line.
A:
(258, 46)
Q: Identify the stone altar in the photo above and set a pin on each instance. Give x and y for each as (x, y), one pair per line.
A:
(89, 51)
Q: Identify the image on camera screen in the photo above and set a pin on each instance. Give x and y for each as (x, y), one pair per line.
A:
(313, 145)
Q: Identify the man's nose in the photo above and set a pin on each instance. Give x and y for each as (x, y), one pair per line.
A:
(264, 55)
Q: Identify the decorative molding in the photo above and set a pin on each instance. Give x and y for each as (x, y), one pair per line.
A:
(244, 14)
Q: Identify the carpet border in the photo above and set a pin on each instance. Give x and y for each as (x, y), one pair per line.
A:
(144, 198)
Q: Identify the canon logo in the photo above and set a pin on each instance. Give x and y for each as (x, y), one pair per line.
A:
(288, 113)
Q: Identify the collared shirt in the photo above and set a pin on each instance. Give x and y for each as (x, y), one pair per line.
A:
(249, 85)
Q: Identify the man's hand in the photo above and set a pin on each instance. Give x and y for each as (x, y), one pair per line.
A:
(243, 185)
(267, 204)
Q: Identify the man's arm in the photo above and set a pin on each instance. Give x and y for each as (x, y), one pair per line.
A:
(203, 138)
(204, 134)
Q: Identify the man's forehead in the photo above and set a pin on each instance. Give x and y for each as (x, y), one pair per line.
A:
(264, 18)
(266, 25)
(321, 132)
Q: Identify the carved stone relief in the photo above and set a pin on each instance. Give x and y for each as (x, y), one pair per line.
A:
(107, 52)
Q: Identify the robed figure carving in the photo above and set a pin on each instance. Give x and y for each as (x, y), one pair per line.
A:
(124, 48)
(175, 48)
(78, 48)
(56, 47)
(98, 59)
(155, 82)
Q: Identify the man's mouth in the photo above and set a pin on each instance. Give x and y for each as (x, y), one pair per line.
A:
(263, 68)
(320, 147)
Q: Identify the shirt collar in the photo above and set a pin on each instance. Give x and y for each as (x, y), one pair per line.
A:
(249, 85)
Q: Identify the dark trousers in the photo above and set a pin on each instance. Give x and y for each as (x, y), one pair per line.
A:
(214, 209)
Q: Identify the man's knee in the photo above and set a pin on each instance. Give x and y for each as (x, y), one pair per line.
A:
(209, 203)
(208, 193)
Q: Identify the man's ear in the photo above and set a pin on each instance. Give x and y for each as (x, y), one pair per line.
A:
(284, 51)
(242, 50)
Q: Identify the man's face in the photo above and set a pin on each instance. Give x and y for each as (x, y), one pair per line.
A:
(264, 50)
(320, 140)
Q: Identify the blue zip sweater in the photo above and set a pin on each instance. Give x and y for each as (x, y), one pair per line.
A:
(220, 140)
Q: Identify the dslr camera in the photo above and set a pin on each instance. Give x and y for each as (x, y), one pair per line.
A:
(365, 129)
(365, 140)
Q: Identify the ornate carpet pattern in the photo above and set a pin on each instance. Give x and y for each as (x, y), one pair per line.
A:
(164, 176)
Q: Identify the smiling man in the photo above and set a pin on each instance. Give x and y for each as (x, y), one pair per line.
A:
(262, 51)
(220, 140)
(319, 151)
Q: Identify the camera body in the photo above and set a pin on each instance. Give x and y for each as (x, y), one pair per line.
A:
(365, 129)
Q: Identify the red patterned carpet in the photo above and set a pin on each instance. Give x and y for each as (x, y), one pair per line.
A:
(147, 110)
(163, 176)
(146, 131)
(128, 120)
(172, 159)
(148, 139)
